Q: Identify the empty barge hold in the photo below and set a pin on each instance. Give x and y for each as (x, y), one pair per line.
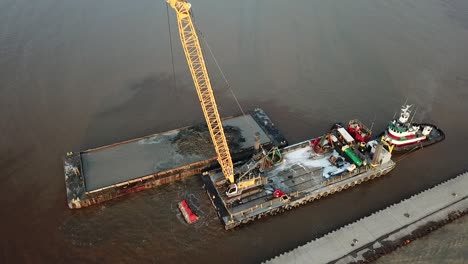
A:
(101, 174)
(302, 176)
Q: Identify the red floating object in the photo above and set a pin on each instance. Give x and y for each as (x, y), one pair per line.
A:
(189, 216)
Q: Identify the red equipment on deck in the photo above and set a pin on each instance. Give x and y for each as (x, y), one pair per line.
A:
(189, 216)
(278, 193)
(314, 143)
(359, 131)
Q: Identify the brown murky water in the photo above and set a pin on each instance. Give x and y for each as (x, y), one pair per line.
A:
(80, 74)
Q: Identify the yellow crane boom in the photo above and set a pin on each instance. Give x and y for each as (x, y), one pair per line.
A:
(196, 63)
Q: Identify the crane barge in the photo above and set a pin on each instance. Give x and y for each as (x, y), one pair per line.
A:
(278, 179)
(255, 179)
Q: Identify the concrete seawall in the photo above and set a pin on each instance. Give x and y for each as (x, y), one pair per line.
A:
(387, 229)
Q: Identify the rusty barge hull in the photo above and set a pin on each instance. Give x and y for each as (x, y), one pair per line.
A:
(108, 172)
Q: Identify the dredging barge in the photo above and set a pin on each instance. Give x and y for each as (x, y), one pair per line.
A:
(303, 175)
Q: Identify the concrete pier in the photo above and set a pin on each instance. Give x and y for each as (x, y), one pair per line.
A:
(386, 229)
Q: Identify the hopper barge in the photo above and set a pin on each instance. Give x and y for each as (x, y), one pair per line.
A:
(104, 173)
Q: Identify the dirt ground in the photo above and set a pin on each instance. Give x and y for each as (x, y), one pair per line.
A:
(449, 244)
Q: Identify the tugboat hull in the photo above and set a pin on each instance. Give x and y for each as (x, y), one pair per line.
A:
(436, 135)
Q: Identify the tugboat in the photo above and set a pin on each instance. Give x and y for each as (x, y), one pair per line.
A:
(402, 135)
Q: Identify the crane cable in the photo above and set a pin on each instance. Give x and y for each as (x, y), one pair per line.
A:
(225, 79)
(221, 71)
(172, 52)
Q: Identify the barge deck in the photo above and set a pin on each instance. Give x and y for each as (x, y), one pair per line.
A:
(100, 174)
(303, 176)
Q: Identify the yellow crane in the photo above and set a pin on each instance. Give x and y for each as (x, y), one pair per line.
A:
(196, 63)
